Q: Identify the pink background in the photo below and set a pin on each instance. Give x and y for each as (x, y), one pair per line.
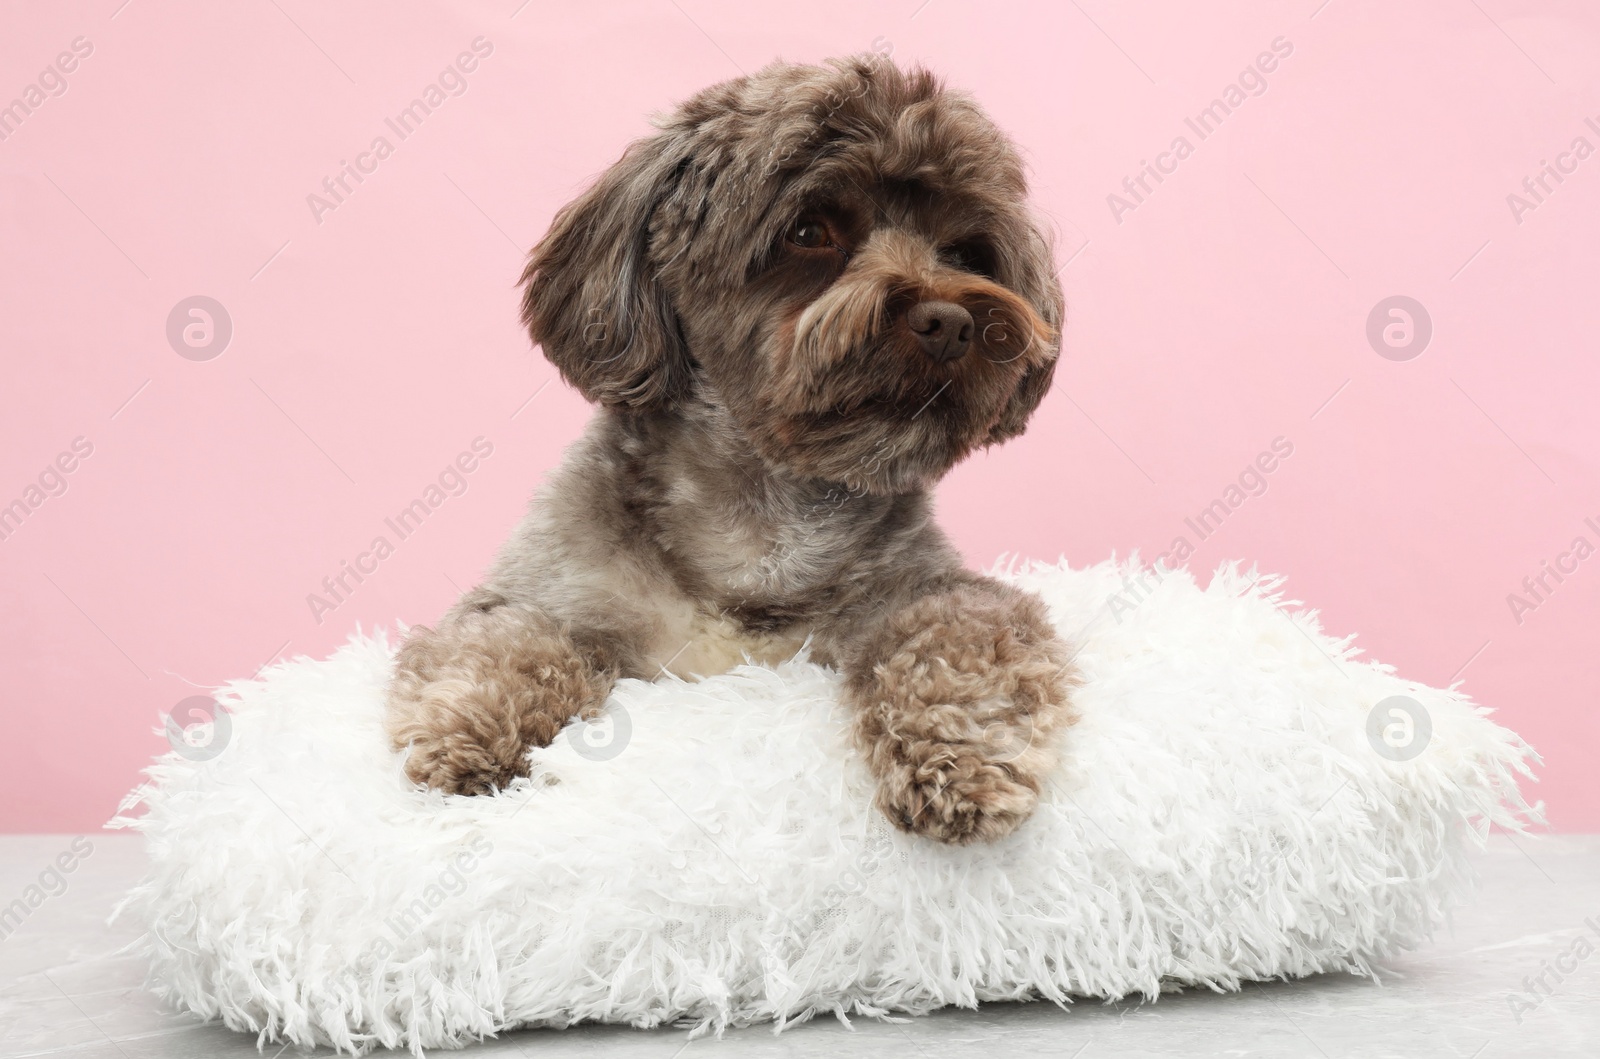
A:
(1228, 309)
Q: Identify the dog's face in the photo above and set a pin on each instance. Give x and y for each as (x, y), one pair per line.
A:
(842, 257)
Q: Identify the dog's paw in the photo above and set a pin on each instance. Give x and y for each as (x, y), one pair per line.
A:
(958, 796)
(470, 699)
(959, 700)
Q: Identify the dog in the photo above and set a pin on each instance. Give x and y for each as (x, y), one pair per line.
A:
(797, 305)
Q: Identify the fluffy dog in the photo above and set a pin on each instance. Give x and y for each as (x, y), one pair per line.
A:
(797, 306)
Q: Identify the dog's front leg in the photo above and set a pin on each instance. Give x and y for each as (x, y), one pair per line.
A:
(493, 679)
(959, 693)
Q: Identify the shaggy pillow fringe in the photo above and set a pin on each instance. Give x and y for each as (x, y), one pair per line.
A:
(708, 854)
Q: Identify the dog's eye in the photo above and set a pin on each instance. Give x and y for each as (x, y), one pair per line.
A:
(809, 233)
(971, 255)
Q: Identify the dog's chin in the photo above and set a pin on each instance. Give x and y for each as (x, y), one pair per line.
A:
(860, 467)
(894, 440)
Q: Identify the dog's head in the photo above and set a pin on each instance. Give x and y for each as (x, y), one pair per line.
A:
(842, 257)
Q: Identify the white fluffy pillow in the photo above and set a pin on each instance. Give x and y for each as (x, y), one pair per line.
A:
(1240, 800)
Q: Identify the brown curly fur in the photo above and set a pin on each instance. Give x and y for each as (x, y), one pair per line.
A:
(958, 712)
(472, 694)
(770, 428)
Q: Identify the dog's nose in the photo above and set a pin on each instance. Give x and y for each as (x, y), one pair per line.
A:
(943, 328)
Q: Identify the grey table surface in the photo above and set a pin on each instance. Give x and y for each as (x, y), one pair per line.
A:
(65, 993)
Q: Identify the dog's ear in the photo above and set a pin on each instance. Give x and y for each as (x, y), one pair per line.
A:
(1035, 278)
(591, 296)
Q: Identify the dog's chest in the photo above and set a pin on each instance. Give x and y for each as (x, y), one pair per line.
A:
(694, 642)
(761, 589)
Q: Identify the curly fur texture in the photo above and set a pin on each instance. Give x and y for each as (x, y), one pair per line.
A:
(957, 719)
(471, 695)
(798, 305)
